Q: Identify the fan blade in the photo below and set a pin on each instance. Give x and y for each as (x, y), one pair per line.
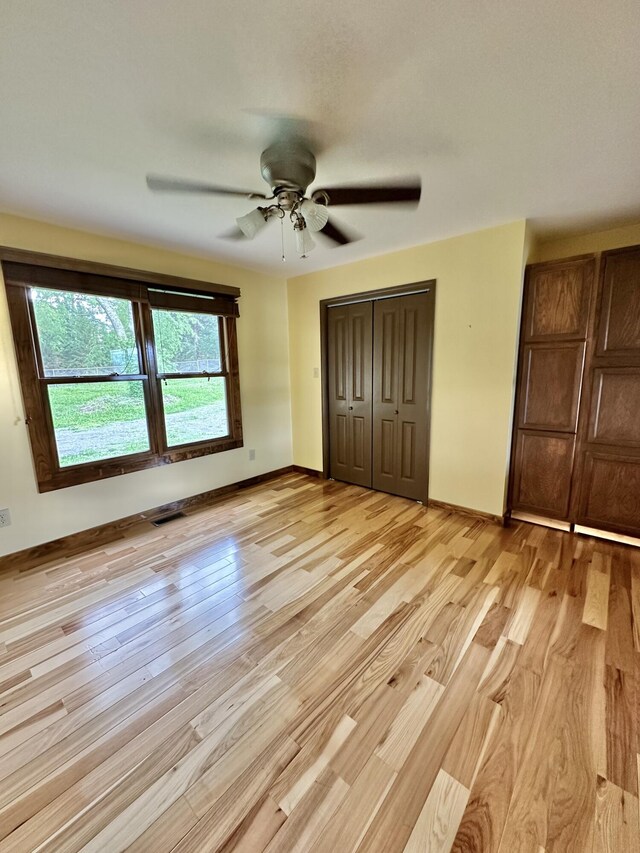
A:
(372, 194)
(160, 184)
(233, 234)
(339, 235)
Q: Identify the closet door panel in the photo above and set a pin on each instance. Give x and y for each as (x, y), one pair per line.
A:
(361, 445)
(338, 370)
(359, 390)
(340, 443)
(349, 343)
(386, 354)
(402, 369)
(414, 376)
(385, 453)
(552, 380)
(360, 344)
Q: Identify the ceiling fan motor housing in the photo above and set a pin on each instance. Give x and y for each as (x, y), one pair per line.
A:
(288, 165)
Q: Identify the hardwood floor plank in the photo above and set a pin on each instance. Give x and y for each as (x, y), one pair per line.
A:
(485, 816)
(570, 819)
(405, 729)
(527, 820)
(470, 742)
(358, 808)
(310, 762)
(622, 728)
(617, 820)
(596, 605)
(436, 827)
(524, 615)
(308, 820)
(394, 822)
(168, 830)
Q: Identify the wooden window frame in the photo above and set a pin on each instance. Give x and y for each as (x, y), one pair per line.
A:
(144, 295)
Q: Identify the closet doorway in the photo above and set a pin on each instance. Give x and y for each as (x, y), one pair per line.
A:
(376, 355)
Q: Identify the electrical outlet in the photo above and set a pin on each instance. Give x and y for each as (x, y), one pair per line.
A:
(252, 455)
(316, 373)
(5, 518)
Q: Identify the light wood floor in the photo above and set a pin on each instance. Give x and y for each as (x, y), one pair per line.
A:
(311, 666)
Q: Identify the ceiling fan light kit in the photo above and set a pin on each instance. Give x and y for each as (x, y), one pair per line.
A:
(315, 215)
(252, 222)
(304, 241)
(289, 167)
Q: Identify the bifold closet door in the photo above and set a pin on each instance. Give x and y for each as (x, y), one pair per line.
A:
(401, 394)
(350, 353)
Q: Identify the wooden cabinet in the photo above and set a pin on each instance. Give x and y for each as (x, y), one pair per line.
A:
(576, 447)
(609, 463)
(555, 322)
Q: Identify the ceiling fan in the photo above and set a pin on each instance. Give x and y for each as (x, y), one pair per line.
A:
(289, 167)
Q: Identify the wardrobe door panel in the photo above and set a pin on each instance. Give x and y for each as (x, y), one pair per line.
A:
(552, 380)
(544, 462)
(611, 492)
(619, 320)
(557, 303)
(615, 406)
(610, 447)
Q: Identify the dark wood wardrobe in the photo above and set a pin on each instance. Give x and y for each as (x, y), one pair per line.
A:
(378, 390)
(576, 445)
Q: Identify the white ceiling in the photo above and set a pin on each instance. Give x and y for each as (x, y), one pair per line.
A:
(506, 109)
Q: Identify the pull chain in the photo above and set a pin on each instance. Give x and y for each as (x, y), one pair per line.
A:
(282, 237)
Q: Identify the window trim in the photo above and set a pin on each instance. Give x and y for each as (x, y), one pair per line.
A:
(20, 277)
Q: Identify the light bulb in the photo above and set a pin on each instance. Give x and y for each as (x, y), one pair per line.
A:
(304, 241)
(252, 222)
(315, 215)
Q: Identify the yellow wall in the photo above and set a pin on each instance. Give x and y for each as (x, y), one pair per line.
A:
(479, 285)
(264, 370)
(583, 244)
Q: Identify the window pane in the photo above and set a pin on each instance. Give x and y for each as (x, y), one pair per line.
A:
(194, 409)
(98, 420)
(84, 335)
(186, 342)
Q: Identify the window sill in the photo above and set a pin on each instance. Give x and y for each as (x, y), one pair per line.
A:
(92, 471)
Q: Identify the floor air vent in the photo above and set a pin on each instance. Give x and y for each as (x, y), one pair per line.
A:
(158, 522)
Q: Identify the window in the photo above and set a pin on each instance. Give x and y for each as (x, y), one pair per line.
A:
(120, 375)
(188, 346)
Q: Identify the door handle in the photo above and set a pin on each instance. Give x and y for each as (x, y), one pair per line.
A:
(350, 408)
(396, 412)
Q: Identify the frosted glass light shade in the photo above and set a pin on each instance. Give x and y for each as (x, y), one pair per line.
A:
(251, 223)
(304, 242)
(315, 215)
